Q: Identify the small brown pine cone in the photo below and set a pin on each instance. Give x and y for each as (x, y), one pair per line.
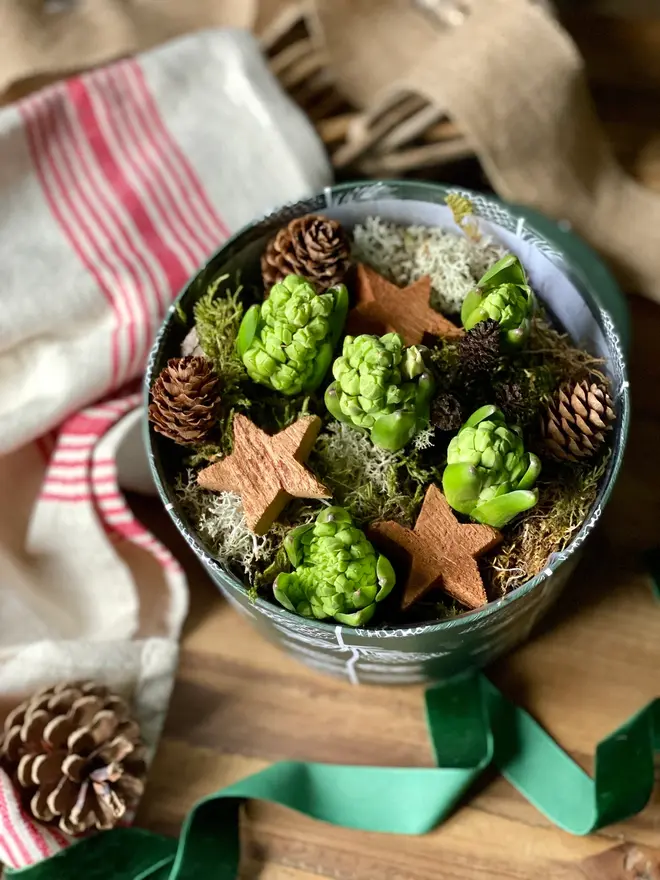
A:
(446, 412)
(312, 246)
(184, 400)
(576, 421)
(76, 756)
(479, 349)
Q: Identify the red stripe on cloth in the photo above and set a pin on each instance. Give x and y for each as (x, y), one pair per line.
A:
(63, 481)
(120, 520)
(128, 199)
(59, 497)
(21, 855)
(103, 205)
(99, 224)
(23, 830)
(175, 161)
(131, 240)
(95, 419)
(55, 194)
(133, 146)
(60, 838)
(126, 398)
(141, 299)
(73, 464)
(51, 494)
(7, 852)
(83, 424)
(34, 832)
(175, 271)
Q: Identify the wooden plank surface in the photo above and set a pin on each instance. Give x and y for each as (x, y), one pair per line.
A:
(239, 703)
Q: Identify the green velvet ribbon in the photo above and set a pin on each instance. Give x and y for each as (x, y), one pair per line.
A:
(471, 725)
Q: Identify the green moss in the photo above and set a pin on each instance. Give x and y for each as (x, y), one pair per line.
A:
(180, 313)
(204, 454)
(445, 360)
(218, 315)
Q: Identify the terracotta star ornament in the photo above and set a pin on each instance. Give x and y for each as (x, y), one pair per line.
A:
(442, 552)
(267, 471)
(382, 307)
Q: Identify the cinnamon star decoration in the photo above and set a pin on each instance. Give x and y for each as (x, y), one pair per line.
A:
(382, 307)
(441, 550)
(266, 471)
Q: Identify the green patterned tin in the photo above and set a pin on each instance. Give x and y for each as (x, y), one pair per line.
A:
(579, 292)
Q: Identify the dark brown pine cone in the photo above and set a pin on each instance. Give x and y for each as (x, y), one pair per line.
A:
(446, 412)
(312, 246)
(479, 349)
(577, 420)
(76, 756)
(185, 399)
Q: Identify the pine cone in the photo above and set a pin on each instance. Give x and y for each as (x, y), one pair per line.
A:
(76, 756)
(576, 421)
(312, 246)
(479, 349)
(184, 400)
(446, 412)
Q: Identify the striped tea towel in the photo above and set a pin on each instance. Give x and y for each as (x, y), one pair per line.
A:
(115, 186)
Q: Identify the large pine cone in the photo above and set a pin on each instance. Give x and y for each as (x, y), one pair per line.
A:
(576, 421)
(184, 400)
(76, 755)
(312, 246)
(479, 349)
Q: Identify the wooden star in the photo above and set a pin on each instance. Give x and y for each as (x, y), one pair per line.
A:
(441, 550)
(267, 471)
(382, 307)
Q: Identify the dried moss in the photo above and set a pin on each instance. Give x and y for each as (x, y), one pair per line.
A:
(566, 495)
(218, 519)
(373, 483)
(370, 482)
(552, 358)
(403, 253)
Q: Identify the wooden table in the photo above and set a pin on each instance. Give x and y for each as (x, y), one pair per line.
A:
(239, 703)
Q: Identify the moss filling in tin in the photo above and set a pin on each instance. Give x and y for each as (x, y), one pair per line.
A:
(510, 419)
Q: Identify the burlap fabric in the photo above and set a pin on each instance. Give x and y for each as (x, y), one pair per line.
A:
(506, 72)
